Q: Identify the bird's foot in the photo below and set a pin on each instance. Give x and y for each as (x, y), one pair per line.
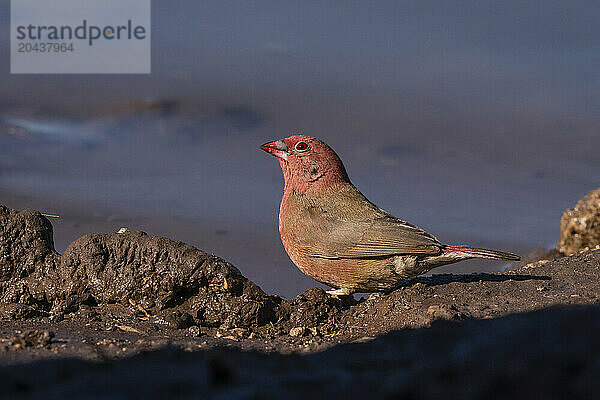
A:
(374, 296)
(339, 292)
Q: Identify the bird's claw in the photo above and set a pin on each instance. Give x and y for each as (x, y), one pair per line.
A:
(338, 292)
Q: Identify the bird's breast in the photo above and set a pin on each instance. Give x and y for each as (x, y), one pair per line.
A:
(299, 232)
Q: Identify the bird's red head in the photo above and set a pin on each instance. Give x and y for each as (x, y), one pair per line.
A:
(308, 164)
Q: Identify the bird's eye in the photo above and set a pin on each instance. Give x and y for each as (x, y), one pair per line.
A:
(301, 146)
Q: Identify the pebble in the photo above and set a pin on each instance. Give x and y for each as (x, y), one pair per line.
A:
(194, 331)
(298, 331)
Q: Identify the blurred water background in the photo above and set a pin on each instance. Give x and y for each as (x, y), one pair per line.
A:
(478, 121)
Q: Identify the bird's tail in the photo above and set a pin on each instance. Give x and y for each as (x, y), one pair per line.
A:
(480, 253)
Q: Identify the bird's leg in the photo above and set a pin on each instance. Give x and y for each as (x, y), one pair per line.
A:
(339, 292)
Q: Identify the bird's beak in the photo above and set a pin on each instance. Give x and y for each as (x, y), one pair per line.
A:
(277, 148)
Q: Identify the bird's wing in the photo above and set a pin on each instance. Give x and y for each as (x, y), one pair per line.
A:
(384, 236)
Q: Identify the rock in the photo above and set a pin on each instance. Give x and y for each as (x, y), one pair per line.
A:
(240, 333)
(298, 331)
(28, 263)
(126, 268)
(194, 331)
(26, 246)
(133, 266)
(580, 226)
(431, 310)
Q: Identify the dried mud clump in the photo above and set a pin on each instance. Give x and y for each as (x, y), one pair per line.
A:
(159, 273)
(26, 250)
(26, 242)
(580, 226)
(313, 311)
(164, 277)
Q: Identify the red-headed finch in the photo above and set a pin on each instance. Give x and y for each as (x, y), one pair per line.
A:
(338, 237)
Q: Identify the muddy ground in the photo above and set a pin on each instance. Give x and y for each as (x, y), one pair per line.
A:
(137, 315)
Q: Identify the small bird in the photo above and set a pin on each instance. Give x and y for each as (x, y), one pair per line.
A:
(335, 235)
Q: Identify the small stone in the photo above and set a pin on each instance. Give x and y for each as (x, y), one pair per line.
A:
(130, 329)
(431, 310)
(194, 331)
(298, 331)
(56, 317)
(240, 332)
(374, 296)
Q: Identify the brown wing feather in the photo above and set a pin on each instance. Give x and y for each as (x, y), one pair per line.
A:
(381, 237)
(344, 224)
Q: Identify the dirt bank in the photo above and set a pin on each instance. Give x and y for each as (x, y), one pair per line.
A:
(547, 354)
